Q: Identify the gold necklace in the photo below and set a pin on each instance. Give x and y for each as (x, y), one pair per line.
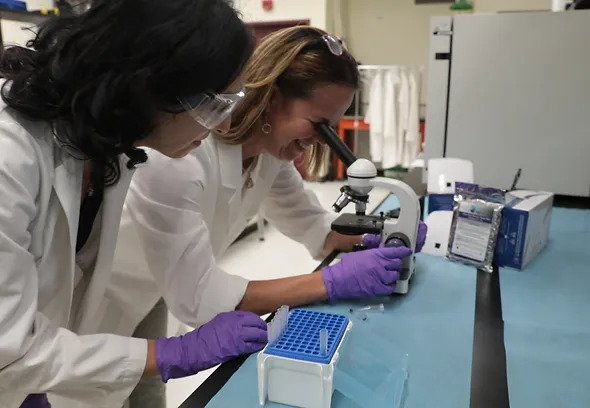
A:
(249, 183)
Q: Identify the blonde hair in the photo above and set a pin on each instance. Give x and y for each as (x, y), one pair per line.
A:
(292, 61)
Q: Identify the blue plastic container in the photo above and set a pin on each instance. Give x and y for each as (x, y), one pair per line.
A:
(13, 4)
(301, 338)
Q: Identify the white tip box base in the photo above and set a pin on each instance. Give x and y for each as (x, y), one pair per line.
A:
(299, 383)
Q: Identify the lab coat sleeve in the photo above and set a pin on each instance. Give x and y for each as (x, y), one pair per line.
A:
(165, 206)
(296, 211)
(36, 355)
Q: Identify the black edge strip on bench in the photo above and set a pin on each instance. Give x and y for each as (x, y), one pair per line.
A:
(571, 202)
(489, 385)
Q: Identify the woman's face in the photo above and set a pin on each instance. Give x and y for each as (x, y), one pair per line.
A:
(176, 135)
(292, 131)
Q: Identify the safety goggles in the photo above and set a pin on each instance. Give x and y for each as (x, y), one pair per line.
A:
(210, 109)
(334, 44)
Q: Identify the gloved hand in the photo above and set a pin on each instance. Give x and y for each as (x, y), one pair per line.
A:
(226, 336)
(364, 274)
(374, 240)
(36, 401)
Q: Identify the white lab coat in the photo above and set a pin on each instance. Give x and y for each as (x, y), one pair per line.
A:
(387, 117)
(181, 215)
(46, 345)
(412, 136)
(374, 116)
(403, 100)
(391, 153)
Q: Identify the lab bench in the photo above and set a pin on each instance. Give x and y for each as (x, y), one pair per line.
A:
(506, 339)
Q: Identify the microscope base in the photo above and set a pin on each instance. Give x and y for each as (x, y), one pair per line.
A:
(402, 287)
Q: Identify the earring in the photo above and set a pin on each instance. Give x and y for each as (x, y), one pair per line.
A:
(266, 128)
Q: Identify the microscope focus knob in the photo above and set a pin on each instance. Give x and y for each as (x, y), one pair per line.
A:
(395, 243)
(396, 240)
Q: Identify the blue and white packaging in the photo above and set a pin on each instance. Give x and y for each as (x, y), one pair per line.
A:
(524, 230)
(475, 225)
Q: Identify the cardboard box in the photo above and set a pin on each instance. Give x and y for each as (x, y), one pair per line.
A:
(524, 230)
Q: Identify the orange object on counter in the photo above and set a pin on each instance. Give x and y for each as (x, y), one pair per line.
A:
(346, 124)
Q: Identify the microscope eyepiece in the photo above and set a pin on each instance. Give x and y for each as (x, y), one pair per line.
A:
(329, 136)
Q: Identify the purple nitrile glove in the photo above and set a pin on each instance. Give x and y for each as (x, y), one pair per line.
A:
(36, 401)
(374, 240)
(364, 274)
(371, 241)
(226, 336)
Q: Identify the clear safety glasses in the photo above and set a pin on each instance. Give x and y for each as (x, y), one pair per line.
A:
(211, 109)
(334, 44)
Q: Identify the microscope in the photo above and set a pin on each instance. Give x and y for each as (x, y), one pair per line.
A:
(362, 177)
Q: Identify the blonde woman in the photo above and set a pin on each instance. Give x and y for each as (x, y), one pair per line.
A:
(183, 214)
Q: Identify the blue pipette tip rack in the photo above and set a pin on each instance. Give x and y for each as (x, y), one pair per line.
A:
(301, 338)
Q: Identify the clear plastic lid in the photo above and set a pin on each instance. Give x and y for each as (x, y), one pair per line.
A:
(370, 372)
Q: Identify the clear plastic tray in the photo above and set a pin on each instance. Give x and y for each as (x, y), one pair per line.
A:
(370, 372)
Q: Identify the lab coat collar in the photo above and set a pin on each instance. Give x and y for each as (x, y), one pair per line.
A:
(67, 185)
(112, 207)
(68, 181)
(230, 171)
(230, 164)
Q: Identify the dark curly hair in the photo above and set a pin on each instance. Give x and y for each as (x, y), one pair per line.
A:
(100, 78)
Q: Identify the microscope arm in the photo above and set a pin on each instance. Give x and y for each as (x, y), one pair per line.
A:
(409, 216)
(362, 177)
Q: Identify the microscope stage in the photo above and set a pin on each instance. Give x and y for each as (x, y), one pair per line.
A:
(352, 224)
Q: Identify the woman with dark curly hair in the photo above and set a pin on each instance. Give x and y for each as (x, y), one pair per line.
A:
(76, 109)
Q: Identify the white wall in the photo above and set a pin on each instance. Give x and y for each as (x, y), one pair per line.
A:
(390, 31)
(335, 14)
(396, 31)
(492, 6)
(314, 10)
